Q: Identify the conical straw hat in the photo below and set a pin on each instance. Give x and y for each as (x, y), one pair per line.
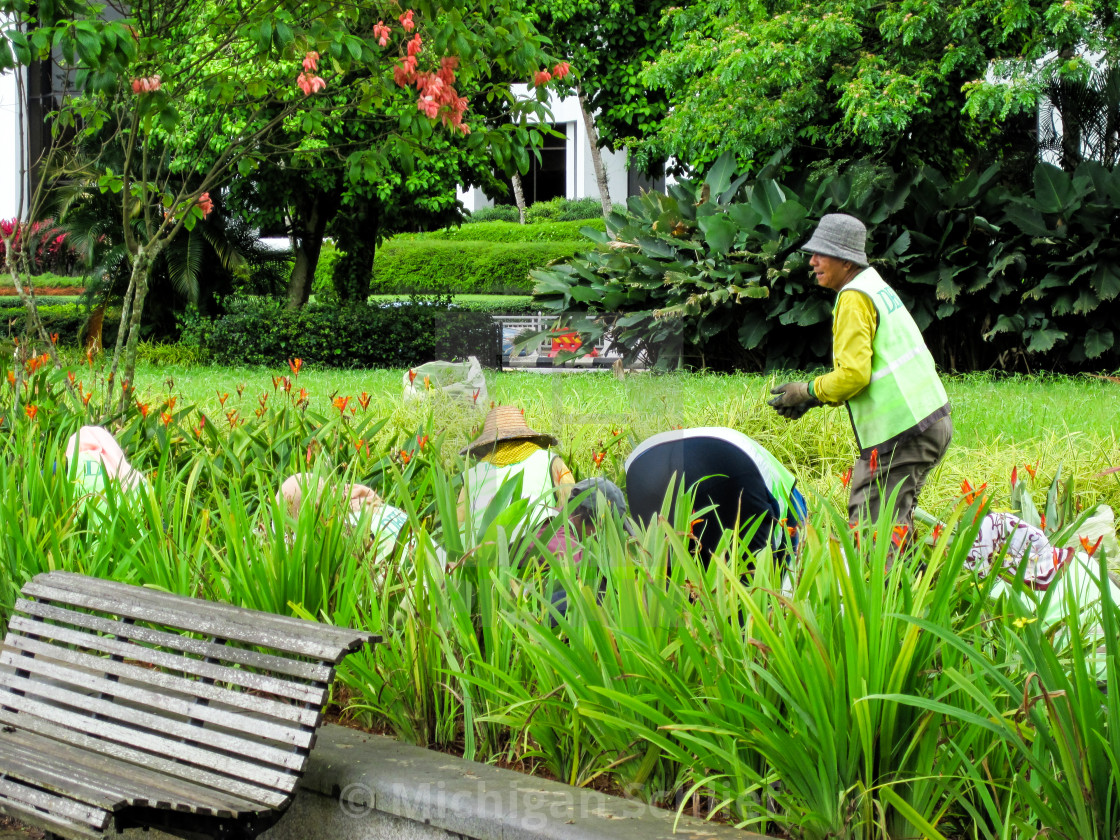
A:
(505, 422)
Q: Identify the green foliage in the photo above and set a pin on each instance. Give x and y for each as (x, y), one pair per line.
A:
(563, 210)
(324, 269)
(48, 280)
(501, 231)
(390, 335)
(993, 278)
(454, 267)
(493, 304)
(498, 213)
(67, 319)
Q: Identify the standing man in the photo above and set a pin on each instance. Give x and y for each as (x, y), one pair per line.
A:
(882, 370)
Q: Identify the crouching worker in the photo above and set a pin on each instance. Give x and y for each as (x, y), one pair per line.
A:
(744, 485)
(592, 500)
(508, 450)
(96, 461)
(386, 521)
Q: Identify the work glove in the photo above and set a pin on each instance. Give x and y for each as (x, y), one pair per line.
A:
(793, 399)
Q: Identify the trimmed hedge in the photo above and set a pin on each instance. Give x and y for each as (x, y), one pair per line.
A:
(490, 304)
(46, 279)
(264, 332)
(434, 267)
(68, 320)
(509, 232)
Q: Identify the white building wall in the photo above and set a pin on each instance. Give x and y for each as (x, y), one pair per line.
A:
(580, 171)
(10, 152)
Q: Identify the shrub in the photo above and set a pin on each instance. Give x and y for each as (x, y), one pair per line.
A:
(564, 210)
(432, 267)
(68, 320)
(323, 284)
(509, 232)
(490, 304)
(44, 245)
(502, 212)
(391, 335)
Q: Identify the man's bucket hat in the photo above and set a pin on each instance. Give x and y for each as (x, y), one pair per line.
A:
(505, 422)
(839, 235)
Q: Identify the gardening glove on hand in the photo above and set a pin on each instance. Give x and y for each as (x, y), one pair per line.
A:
(793, 399)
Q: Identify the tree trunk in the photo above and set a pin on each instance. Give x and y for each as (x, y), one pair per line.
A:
(308, 240)
(519, 196)
(94, 328)
(131, 312)
(596, 154)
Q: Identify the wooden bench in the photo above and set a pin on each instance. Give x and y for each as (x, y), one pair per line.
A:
(126, 707)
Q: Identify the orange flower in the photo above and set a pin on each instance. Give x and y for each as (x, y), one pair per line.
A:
(54, 338)
(12, 378)
(359, 444)
(302, 395)
(421, 441)
(240, 390)
(222, 398)
(972, 494)
(477, 391)
(144, 408)
(124, 386)
(171, 403)
(1014, 475)
(70, 376)
(846, 478)
(276, 382)
(405, 457)
(287, 382)
(295, 365)
(1030, 469)
(937, 530)
(85, 397)
(166, 418)
(89, 356)
(231, 416)
(340, 403)
(1091, 549)
(411, 376)
(1042, 522)
(263, 399)
(427, 384)
(597, 459)
(874, 462)
(31, 411)
(363, 400)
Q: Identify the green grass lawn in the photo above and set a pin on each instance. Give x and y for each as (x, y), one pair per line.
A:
(999, 422)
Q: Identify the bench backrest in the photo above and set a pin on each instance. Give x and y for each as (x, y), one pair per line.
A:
(213, 694)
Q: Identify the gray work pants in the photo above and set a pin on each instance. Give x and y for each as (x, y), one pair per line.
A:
(905, 467)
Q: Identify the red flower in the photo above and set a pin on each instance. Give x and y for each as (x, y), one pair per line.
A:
(85, 397)
(541, 77)
(873, 465)
(406, 21)
(54, 338)
(295, 365)
(1042, 522)
(144, 408)
(1091, 549)
(597, 459)
(363, 400)
(405, 457)
(275, 382)
(421, 441)
(561, 70)
(972, 494)
(414, 44)
(166, 418)
(381, 32)
(411, 376)
(70, 376)
(477, 391)
(1014, 476)
(31, 410)
(311, 61)
(937, 530)
(340, 403)
(205, 204)
(846, 478)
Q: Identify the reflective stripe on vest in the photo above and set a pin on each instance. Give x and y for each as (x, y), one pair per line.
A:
(484, 479)
(905, 394)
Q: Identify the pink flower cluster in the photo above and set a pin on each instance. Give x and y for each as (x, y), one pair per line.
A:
(543, 77)
(308, 82)
(381, 32)
(438, 97)
(205, 204)
(148, 84)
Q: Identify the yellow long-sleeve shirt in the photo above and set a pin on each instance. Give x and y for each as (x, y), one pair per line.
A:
(853, 329)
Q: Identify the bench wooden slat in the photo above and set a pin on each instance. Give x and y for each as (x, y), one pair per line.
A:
(76, 813)
(292, 635)
(273, 797)
(296, 715)
(132, 717)
(110, 784)
(314, 671)
(157, 744)
(316, 694)
(163, 703)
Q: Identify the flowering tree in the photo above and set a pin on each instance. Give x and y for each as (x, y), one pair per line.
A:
(188, 94)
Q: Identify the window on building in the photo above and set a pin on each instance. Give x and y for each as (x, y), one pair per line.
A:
(548, 178)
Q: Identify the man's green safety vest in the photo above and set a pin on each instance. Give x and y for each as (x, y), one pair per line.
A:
(905, 395)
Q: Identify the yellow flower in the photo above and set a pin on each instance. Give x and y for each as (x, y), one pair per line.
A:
(1020, 623)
